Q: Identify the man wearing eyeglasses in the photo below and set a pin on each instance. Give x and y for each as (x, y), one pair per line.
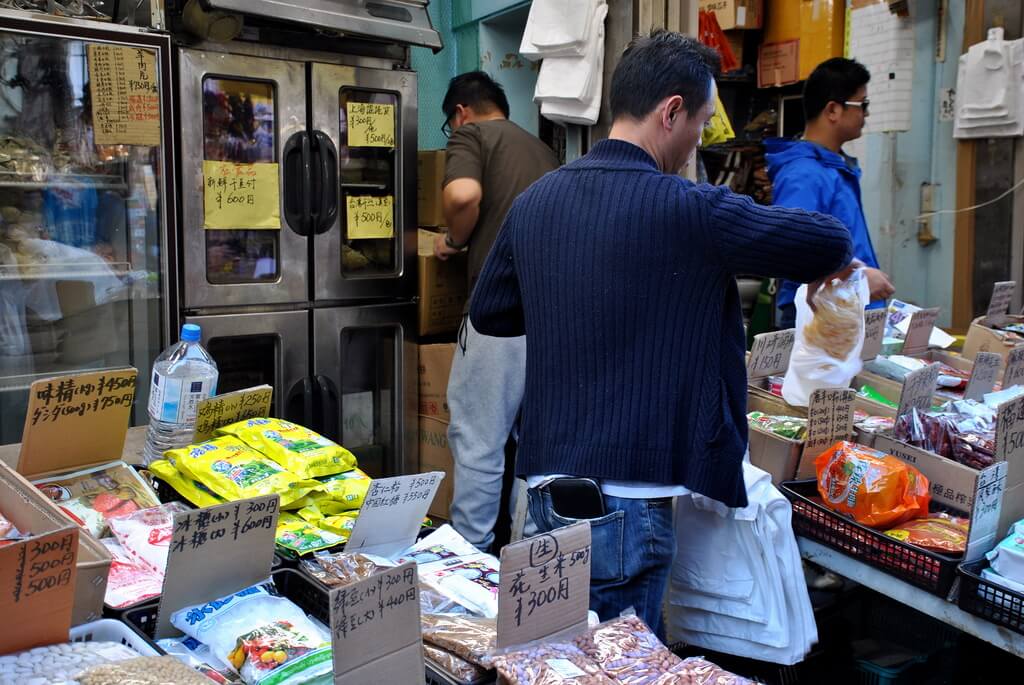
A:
(814, 173)
(489, 161)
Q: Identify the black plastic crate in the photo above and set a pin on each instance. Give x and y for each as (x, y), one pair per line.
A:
(988, 600)
(929, 571)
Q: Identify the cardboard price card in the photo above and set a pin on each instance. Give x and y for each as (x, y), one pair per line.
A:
(217, 551)
(125, 95)
(370, 216)
(241, 196)
(37, 587)
(999, 305)
(988, 504)
(769, 355)
(918, 389)
(983, 375)
(919, 330)
(1010, 431)
(874, 333)
(223, 410)
(392, 513)
(544, 585)
(375, 629)
(76, 420)
(370, 125)
(829, 419)
(1014, 374)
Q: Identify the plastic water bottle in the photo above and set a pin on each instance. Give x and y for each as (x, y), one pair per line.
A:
(183, 376)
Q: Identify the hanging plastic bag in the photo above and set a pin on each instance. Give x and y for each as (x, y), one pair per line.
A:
(826, 353)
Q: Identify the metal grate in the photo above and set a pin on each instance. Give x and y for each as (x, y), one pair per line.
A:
(990, 601)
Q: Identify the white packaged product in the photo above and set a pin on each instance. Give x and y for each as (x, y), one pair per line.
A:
(265, 638)
(440, 546)
(146, 534)
(198, 656)
(470, 581)
(1007, 559)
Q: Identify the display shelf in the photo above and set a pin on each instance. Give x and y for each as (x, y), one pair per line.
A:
(928, 604)
(64, 272)
(33, 182)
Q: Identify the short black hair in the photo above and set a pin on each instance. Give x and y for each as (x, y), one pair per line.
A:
(834, 80)
(658, 66)
(476, 90)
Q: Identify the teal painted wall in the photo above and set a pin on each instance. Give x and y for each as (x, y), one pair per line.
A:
(433, 73)
(500, 37)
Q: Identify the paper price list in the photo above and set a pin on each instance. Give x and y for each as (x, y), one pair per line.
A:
(125, 95)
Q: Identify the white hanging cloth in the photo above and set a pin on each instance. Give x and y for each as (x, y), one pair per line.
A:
(990, 92)
(558, 28)
(569, 89)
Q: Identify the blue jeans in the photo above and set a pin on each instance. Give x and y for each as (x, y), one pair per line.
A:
(632, 548)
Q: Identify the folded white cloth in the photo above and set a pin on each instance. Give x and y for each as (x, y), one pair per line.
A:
(574, 78)
(558, 28)
(990, 89)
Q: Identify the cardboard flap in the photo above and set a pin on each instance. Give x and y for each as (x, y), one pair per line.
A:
(770, 353)
(76, 420)
(874, 333)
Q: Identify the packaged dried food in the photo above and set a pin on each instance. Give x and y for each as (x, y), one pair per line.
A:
(341, 568)
(876, 489)
(296, 448)
(235, 471)
(453, 665)
(837, 324)
(945, 534)
(146, 534)
(963, 430)
(92, 496)
(340, 524)
(699, 671)
(471, 637)
(875, 424)
(257, 632)
(471, 581)
(189, 488)
(59, 663)
(348, 489)
(791, 427)
(301, 536)
(198, 657)
(144, 670)
(129, 581)
(550, 664)
(627, 650)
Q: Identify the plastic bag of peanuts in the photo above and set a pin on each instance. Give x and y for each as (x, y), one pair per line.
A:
(555, 663)
(147, 670)
(628, 651)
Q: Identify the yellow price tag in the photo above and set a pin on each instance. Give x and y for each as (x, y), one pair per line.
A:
(370, 125)
(370, 216)
(241, 196)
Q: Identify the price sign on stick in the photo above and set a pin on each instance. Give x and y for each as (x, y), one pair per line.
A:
(999, 305)
(829, 419)
(983, 375)
(392, 513)
(918, 389)
(1014, 374)
(769, 355)
(874, 333)
(223, 410)
(919, 331)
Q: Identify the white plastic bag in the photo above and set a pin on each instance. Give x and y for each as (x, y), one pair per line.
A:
(840, 320)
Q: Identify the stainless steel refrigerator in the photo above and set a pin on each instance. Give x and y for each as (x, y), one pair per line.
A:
(316, 309)
(85, 173)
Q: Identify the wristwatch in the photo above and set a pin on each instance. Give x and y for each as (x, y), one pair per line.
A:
(454, 246)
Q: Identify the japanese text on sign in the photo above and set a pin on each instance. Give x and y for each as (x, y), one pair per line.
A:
(240, 196)
(874, 332)
(1010, 430)
(983, 375)
(918, 389)
(769, 355)
(829, 419)
(194, 529)
(370, 216)
(71, 395)
(125, 95)
(987, 505)
(392, 512)
(919, 330)
(999, 305)
(1014, 374)
(544, 585)
(220, 411)
(370, 125)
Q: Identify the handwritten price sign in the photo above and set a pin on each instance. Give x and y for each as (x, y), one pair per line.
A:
(370, 125)
(769, 355)
(241, 196)
(370, 216)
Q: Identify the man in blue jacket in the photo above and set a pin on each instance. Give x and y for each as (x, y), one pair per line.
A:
(815, 174)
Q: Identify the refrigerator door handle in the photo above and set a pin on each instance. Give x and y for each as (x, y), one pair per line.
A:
(326, 211)
(297, 171)
(298, 406)
(329, 410)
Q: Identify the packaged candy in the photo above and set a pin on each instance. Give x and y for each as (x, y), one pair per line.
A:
(336, 570)
(876, 489)
(945, 534)
(189, 488)
(790, 427)
(297, 449)
(146, 534)
(302, 537)
(872, 394)
(340, 524)
(235, 471)
(259, 634)
(92, 496)
(348, 488)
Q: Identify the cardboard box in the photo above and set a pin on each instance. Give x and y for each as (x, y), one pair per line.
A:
(435, 364)
(982, 338)
(429, 177)
(736, 40)
(29, 510)
(778, 64)
(443, 288)
(818, 26)
(735, 14)
(773, 453)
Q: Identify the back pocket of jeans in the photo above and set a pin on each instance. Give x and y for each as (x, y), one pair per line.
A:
(606, 562)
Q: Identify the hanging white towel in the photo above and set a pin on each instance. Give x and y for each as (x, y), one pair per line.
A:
(558, 28)
(574, 78)
(990, 89)
(587, 109)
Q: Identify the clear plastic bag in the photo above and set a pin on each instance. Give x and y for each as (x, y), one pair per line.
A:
(335, 570)
(469, 637)
(627, 650)
(148, 670)
(453, 665)
(826, 353)
(699, 671)
(550, 664)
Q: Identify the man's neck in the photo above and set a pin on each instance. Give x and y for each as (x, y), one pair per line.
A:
(823, 137)
(494, 115)
(633, 132)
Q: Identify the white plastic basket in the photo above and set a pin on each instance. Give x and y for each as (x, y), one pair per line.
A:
(110, 630)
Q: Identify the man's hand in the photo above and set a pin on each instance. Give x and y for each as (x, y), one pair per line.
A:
(441, 249)
(879, 285)
(813, 288)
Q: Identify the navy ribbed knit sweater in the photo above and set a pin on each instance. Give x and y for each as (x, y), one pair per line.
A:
(622, 279)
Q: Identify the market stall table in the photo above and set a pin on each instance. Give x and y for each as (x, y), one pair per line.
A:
(929, 604)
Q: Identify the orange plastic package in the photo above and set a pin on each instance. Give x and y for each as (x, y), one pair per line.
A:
(939, 533)
(876, 489)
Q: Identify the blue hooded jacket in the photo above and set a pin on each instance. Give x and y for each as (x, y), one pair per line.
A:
(808, 176)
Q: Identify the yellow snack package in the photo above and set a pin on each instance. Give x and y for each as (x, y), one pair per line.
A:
(192, 490)
(303, 537)
(298, 449)
(339, 524)
(348, 489)
(235, 471)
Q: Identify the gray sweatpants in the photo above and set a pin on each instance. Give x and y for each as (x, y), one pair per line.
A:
(485, 390)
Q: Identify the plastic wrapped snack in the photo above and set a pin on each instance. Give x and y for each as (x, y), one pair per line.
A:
(347, 489)
(94, 495)
(944, 534)
(189, 488)
(336, 570)
(470, 637)
(699, 671)
(301, 536)
(145, 670)
(791, 427)
(129, 581)
(874, 488)
(453, 665)
(627, 650)
(340, 524)
(146, 534)
(198, 657)
(470, 581)
(550, 664)
(874, 424)
(235, 471)
(297, 449)
(257, 632)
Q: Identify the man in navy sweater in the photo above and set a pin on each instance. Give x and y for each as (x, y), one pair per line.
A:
(622, 276)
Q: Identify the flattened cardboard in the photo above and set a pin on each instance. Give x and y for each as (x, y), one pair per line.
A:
(982, 338)
(829, 420)
(778, 64)
(223, 410)
(436, 455)
(919, 330)
(392, 513)
(37, 589)
(770, 353)
(1014, 374)
(874, 333)
(435, 366)
(990, 494)
(999, 304)
(76, 420)
(918, 389)
(375, 629)
(983, 375)
(544, 585)
(216, 551)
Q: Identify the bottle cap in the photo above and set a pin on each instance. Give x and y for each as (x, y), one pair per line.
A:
(190, 332)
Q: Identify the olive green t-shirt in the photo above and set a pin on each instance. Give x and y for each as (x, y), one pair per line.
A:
(505, 159)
